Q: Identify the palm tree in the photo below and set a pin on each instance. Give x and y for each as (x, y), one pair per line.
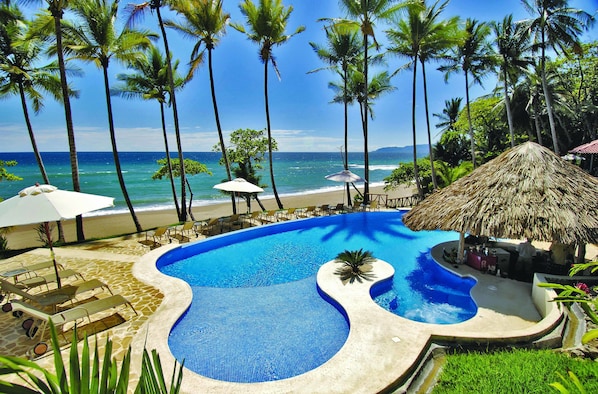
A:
(511, 44)
(135, 12)
(18, 56)
(473, 57)
(151, 83)
(367, 12)
(267, 24)
(449, 114)
(56, 9)
(555, 25)
(98, 41)
(422, 37)
(342, 51)
(206, 21)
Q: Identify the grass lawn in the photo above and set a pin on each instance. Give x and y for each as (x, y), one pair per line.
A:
(515, 371)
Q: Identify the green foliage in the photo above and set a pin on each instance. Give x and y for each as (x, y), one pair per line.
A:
(568, 384)
(85, 374)
(405, 175)
(356, 265)
(4, 174)
(512, 371)
(192, 167)
(447, 174)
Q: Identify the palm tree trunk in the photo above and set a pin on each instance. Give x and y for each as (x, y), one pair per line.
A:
(469, 120)
(508, 107)
(175, 112)
(415, 168)
(57, 15)
(537, 121)
(547, 98)
(38, 156)
(433, 170)
(219, 127)
(119, 173)
(168, 161)
(270, 136)
(346, 115)
(366, 157)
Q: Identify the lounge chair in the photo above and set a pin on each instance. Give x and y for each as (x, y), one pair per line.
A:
(36, 281)
(154, 238)
(53, 297)
(254, 218)
(183, 232)
(323, 210)
(79, 312)
(268, 216)
(30, 269)
(289, 214)
(233, 222)
(340, 208)
(307, 212)
(211, 227)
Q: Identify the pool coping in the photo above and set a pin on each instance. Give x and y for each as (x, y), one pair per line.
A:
(382, 350)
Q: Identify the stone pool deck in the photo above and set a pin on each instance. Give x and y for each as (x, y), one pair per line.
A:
(380, 353)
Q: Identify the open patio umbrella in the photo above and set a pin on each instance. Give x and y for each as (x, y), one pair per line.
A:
(526, 192)
(591, 148)
(46, 203)
(345, 176)
(238, 185)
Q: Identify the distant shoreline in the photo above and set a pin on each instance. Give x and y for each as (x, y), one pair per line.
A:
(111, 225)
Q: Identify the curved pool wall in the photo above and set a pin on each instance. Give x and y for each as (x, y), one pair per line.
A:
(229, 285)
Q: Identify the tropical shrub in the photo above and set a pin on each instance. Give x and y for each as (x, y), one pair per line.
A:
(85, 374)
(356, 265)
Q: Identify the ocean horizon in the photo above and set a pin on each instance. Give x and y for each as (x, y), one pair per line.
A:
(296, 173)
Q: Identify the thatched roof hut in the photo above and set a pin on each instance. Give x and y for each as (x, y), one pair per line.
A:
(526, 192)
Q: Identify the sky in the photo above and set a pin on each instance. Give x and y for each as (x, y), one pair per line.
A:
(302, 117)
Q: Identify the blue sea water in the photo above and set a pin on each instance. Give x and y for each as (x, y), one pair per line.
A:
(295, 173)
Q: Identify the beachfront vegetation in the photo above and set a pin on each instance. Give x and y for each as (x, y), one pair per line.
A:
(247, 151)
(356, 265)
(87, 373)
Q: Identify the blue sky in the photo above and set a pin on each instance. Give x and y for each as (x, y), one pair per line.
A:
(302, 117)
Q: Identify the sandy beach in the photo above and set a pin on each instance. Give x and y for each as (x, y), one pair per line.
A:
(104, 226)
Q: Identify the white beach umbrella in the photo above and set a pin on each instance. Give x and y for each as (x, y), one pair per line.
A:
(238, 185)
(347, 177)
(46, 203)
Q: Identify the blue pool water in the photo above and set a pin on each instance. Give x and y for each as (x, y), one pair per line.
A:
(257, 314)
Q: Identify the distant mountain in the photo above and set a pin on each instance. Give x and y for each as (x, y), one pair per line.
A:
(422, 150)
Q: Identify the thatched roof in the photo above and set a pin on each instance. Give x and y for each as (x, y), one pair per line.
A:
(527, 191)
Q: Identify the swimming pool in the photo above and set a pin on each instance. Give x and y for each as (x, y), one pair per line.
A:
(256, 313)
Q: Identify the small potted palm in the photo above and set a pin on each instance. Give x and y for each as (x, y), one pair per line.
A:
(356, 265)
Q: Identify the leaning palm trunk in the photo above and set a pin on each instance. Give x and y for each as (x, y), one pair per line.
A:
(346, 114)
(57, 15)
(432, 169)
(508, 108)
(119, 173)
(183, 211)
(168, 161)
(469, 119)
(280, 206)
(366, 157)
(219, 127)
(415, 167)
(555, 141)
(38, 156)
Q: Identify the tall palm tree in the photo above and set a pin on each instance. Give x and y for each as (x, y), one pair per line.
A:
(473, 57)
(367, 13)
(266, 27)
(97, 40)
(18, 56)
(57, 8)
(343, 50)
(136, 11)
(511, 45)
(151, 83)
(206, 21)
(554, 25)
(422, 36)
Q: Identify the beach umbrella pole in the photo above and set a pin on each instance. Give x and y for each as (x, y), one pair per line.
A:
(49, 237)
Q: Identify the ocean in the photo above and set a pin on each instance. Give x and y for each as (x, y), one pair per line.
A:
(295, 174)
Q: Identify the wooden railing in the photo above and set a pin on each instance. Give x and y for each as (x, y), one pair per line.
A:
(403, 202)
